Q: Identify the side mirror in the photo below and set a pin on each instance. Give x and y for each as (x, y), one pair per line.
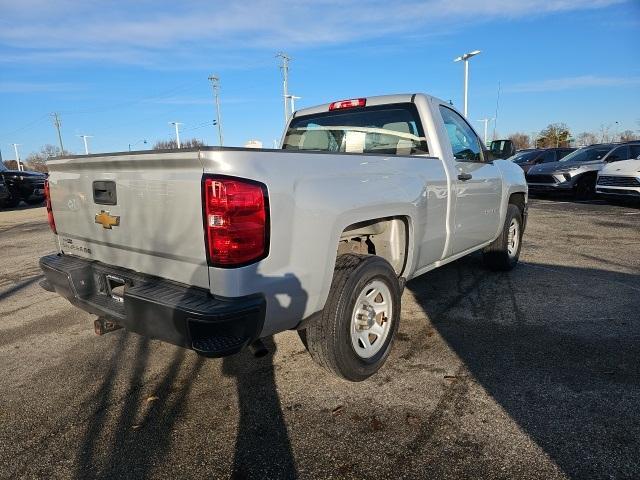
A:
(502, 149)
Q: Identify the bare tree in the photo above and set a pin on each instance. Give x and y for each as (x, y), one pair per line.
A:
(587, 138)
(555, 135)
(11, 164)
(172, 144)
(628, 136)
(520, 140)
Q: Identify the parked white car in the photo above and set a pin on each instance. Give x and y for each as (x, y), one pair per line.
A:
(621, 180)
(213, 248)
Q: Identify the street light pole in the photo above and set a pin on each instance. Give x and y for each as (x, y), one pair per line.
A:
(86, 145)
(486, 126)
(177, 125)
(293, 99)
(143, 140)
(15, 147)
(465, 58)
(215, 84)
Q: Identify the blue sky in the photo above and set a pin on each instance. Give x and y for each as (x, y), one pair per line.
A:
(120, 71)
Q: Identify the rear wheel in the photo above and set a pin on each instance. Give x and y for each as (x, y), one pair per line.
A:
(504, 252)
(352, 337)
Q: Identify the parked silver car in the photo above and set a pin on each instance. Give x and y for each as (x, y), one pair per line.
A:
(577, 172)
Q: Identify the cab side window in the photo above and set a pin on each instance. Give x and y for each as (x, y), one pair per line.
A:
(465, 144)
(549, 156)
(635, 152)
(620, 153)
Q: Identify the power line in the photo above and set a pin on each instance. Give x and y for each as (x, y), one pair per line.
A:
(163, 94)
(28, 125)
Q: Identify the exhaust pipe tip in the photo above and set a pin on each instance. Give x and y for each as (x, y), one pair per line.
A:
(258, 349)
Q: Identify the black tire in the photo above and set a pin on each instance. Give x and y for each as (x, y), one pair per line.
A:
(328, 337)
(496, 256)
(35, 202)
(586, 188)
(12, 202)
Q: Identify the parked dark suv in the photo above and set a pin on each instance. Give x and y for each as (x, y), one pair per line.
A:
(530, 157)
(22, 185)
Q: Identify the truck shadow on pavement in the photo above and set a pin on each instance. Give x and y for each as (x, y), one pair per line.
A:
(133, 426)
(262, 447)
(130, 443)
(556, 347)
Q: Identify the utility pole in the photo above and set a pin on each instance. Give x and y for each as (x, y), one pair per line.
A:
(495, 120)
(215, 84)
(56, 123)
(86, 145)
(15, 147)
(177, 125)
(285, 82)
(486, 125)
(465, 58)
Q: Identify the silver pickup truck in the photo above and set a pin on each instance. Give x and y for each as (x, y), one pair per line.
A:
(214, 248)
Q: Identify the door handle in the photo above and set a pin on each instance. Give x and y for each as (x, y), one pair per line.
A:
(464, 176)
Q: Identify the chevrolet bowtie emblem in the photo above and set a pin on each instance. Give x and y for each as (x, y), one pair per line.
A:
(106, 220)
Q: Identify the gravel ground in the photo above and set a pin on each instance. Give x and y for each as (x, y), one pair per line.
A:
(530, 374)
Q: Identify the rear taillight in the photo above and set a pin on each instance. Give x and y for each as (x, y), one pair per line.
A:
(236, 221)
(353, 103)
(47, 198)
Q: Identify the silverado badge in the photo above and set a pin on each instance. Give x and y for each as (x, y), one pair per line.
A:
(106, 220)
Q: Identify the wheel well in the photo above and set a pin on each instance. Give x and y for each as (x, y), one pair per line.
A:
(385, 237)
(517, 199)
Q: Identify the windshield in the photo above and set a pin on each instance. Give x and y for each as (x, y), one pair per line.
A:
(386, 129)
(3, 167)
(524, 157)
(588, 154)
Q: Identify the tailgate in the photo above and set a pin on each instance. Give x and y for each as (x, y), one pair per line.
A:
(139, 211)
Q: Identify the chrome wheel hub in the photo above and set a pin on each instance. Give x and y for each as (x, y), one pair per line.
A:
(371, 319)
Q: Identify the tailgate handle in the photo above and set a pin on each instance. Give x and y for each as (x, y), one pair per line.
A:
(104, 192)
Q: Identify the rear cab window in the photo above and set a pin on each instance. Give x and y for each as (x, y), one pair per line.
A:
(393, 129)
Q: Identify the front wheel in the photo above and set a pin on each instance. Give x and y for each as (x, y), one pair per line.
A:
(504, 252)
(586, 188)
(352, 337)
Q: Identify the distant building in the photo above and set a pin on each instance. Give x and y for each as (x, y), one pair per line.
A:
(253, 144)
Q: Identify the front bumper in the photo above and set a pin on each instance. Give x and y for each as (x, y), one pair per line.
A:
(156, 308)
(550, 187)
(618, 192)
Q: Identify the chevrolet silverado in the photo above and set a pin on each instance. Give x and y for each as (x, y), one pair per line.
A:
(214, 248)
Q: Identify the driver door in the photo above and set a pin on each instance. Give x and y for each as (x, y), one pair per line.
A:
(478, 185)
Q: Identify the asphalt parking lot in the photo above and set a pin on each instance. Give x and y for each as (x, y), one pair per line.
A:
(531, 374)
